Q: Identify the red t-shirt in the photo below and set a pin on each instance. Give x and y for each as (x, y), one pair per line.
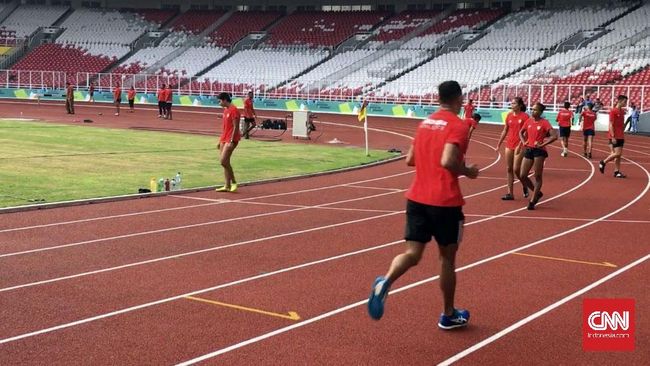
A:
(117, 93)
(536, 131)
(434, 185)
(161, 95)
(169, 95)
(130, 94)
(471, 122)
(588, 119)
(469, 110)
(515, 122)
(617, 119)
(248, 108)
(564, 118)
(231, 117)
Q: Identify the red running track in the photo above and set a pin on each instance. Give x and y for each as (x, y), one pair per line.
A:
(109, 283)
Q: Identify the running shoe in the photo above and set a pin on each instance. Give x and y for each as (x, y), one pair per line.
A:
(458, 319)
(378, 297)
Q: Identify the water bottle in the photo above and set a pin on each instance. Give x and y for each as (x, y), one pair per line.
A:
(167, 184)
(152, 185)
(161, 185)
(177, 179)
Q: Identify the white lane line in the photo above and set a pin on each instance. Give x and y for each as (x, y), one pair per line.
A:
(183, 227)
(379, 188)
(562, 219)
(540, 313)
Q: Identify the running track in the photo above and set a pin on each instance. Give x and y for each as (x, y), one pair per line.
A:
(212, 278)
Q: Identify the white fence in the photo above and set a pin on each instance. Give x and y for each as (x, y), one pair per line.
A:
(497, 95)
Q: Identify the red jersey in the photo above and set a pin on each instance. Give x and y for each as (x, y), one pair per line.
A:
(536, 131)
(130, 95)
(161, 95)
(433, 184)
(469, 110)
(514, 122)
(169, 95)
(617, 120)
(471, 122)
(230, 127)
(588, 120)
(248, 108)
(117, 93)
(564, 118)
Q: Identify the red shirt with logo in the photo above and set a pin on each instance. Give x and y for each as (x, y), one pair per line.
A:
(433, 184)
(161, 95)
(514, 122)
(617, 119)
(130, 94)
(588, 120)
(564, 118)
(230, 127)
(248, 108)
(536, 131)
(168, 95)
(117, 93)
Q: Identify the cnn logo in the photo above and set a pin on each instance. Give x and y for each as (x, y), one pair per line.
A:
(608, 324)
(602, 320)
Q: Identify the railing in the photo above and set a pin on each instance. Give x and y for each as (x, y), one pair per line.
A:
(496, 95)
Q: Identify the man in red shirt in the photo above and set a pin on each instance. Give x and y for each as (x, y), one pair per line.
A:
(69, 98)
(469, 109)
(564, 120)
(533, 135)
(249, 115)
(616, 136)
(472, 123)
(161, 101)
(434, 203)
(228, 141)
(587, 124)
(117, 98)
(130, 96)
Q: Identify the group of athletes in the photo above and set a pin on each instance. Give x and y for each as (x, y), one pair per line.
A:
(434, 200)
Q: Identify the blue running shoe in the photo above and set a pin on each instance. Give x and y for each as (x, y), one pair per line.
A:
(460, 318)
(377, 297)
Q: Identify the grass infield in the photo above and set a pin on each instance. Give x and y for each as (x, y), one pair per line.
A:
(46, 162)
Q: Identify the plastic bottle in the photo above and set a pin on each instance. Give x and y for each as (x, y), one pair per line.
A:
(161, 185)
(167, 184)
(178, 179)
(153, 185)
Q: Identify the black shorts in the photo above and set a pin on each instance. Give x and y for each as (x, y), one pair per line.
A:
(131, 101)
(445, 224)
(565, 131)
(249, 120)
(588, 133)
(118, 101)
(168, 105)
(534, 152)
(91, 94)
(619, 143)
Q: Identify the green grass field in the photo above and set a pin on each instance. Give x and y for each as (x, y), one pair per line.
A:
(45, 162)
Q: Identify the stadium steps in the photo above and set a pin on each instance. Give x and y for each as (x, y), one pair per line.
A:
(63, 17)
(628, 11)
(305, 71)
(9, 8)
